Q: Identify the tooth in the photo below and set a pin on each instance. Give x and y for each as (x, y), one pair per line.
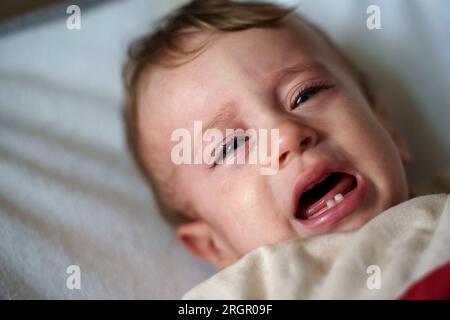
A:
(330, 203)
(338, 198)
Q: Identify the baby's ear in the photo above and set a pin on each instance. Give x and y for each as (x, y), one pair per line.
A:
(198, 237)
(383, 117)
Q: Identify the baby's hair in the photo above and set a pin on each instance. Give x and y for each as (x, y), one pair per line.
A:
(166, 47)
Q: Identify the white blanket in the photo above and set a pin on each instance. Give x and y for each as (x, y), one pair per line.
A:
(379, 261)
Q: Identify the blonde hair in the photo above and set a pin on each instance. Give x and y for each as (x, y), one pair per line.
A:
(164, 47)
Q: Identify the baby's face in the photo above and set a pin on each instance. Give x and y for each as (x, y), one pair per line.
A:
(332, 146)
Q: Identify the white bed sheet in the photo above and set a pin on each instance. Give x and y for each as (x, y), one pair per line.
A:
(69, 193)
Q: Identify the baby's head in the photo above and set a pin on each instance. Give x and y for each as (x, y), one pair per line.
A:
(254, 66)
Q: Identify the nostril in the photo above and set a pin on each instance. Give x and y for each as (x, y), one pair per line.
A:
(283, 157)
(305, 143)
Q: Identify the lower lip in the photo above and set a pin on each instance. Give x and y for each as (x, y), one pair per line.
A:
(351, 201)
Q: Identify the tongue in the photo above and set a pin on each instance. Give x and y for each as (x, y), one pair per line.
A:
(342, 183)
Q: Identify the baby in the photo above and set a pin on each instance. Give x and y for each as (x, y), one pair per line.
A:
(252, 66)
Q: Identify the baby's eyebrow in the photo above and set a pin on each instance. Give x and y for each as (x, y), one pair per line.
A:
(283, 75)
(223, 115)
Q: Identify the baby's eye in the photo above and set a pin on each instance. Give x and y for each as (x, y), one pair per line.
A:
(228, 148)
(307, 94)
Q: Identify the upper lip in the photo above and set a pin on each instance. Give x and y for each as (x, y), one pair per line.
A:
(313, 176)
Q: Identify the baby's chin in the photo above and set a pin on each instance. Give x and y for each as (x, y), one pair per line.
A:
(357, 220)
(352, 222)
(370, 210)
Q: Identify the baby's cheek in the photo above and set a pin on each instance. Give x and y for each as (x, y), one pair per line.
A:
(226, 187)
(375, 154)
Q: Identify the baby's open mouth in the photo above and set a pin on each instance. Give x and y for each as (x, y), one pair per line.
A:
(325, 194)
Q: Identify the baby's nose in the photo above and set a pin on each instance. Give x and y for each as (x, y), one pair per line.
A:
(294, 138)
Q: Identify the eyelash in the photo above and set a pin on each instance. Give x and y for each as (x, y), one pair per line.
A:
(309, 88)
(223, 148)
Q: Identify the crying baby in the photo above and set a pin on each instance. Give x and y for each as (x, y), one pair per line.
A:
(240, 67)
